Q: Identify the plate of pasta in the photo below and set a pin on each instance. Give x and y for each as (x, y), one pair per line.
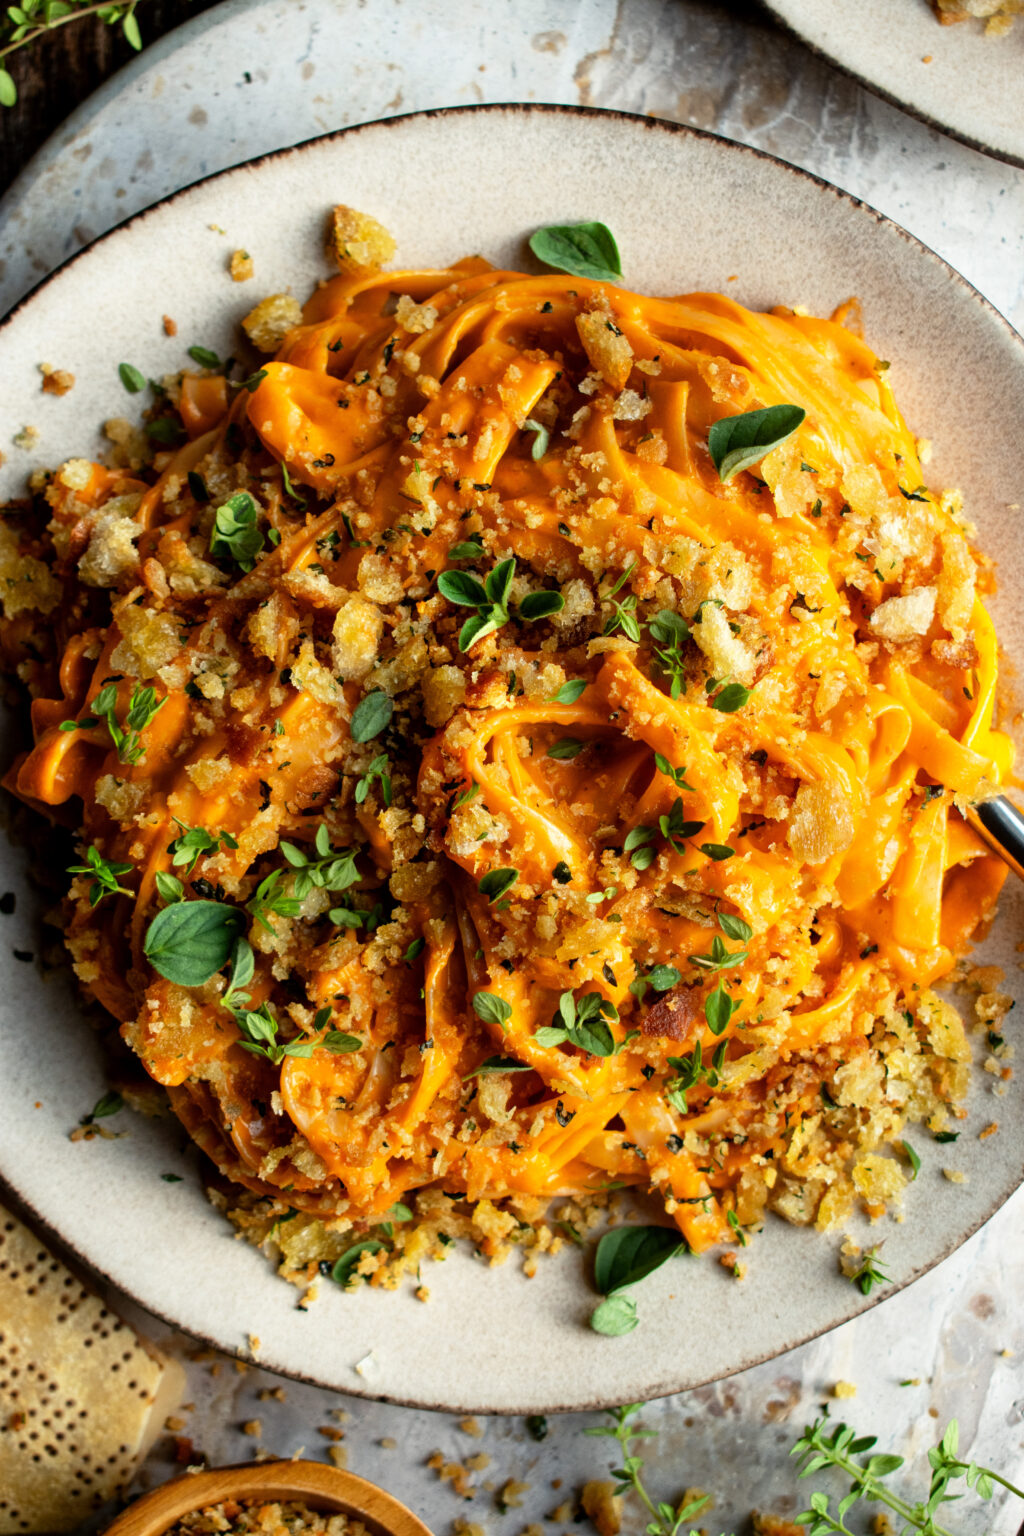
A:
(506, 693)
(954, 63)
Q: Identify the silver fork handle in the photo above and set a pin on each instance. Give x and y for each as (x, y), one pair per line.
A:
(999, 823)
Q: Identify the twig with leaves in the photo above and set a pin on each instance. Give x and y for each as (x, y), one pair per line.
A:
(21, 25)
(666, 1519)
(822, 1446)
(819, 1449)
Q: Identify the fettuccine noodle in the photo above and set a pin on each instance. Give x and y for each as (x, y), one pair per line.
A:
(674, 927)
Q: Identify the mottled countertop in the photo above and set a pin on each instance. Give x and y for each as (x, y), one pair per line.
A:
(254, 75)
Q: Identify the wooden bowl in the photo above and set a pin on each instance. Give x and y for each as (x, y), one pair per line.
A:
(323, 1488)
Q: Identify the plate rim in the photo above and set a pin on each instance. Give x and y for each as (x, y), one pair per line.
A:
(1006, 156)
(531, 108)
(857, 1306)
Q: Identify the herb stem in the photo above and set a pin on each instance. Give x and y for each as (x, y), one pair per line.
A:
(1004, 1481)
(60, 21)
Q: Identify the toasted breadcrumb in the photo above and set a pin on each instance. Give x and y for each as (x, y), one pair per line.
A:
(56, 381)
(358, 242)
(241, 266)
(269, 323)
(603, 1505)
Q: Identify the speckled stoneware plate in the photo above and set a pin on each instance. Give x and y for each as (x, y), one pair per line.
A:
(690, 211)
(955, 77)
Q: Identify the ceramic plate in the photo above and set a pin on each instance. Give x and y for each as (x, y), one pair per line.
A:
(954, 77)
(690, 212)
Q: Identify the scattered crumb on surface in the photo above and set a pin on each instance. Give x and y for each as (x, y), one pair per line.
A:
(56, 381)
(241, 266)
(603, 1505)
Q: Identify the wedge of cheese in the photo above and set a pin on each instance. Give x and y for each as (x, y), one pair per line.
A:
(82, 1397)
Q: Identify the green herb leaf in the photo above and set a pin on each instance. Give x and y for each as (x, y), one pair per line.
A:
(471, 549)
(109, 1104)
(133, 381)
(570, 691)
(197, 485)
(169, 886)
(659, 979)
(730, 698)
(192, 940)
(626, 1255)
(340, 1043)
(235, 534)
(194, 843)
(204, 357)
(491, 1008)
(541, 439)
(717, 851)
(565, 749)
(130, 29)
(8, 89)
(540, 605)
(583, 250)
(615, 1316)
(738, 442)
(497, 1063)
(479, 625)
(719, 1008)
(913, 1159)
(165, 429)
(499, 582)
(345, 1268)
(496, 882)
(735, 927)
(463, 588)
(106, 873)
(371, 715)
(869, 1272)
(289, 489)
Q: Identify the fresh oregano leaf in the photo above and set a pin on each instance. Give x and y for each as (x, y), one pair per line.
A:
(345, 1267)
(627, 1255)
(496, 882)
(371, 715)
(491, 1009)
(738, 442)
(615, 1316)
(190, 941)
(583, 250)
(497, 1063)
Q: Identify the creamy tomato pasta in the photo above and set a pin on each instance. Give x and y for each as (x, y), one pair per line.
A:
(515, 738)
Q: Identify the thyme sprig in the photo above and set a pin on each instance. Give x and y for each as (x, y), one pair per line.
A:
(819, 1449)
(666, 1519)
(824, 1445)
(143, 704)
(23, 24)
